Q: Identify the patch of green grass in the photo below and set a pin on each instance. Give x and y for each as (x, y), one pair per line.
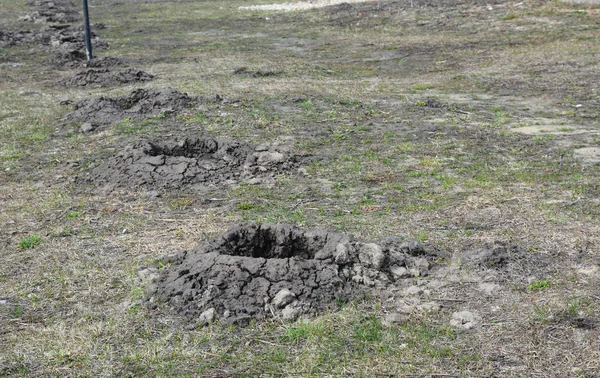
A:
(181, 203)
(30, 241)
(543, 138)
(303, 330)
(245, 206)
(566, 129)
(17, 311)
(368, 331)
(539, 285)
(542, 314)
(73, 214)
(10, 156)
(509, 16)
(127, 126)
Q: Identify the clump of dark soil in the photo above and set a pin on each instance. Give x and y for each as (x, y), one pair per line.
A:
(95, 112)
(257, 271)
(105, 62)
(61, 37)
(495, 256)
(258, 73)
(52, 11)
(199, 162)
(9, 38)
(106, 77)
(68, 58)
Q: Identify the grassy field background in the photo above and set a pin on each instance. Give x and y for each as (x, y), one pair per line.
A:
(455, 123)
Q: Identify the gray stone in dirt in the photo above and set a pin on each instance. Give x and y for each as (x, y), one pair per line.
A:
(413, 290)
(86, 127)
(343, 254)
(371, 255)
(234, 273)
(400, 272)
(291, 313)
(489, 288)
(147, 274)
(421, 263)
(430, 307)
(207, 317)
(395, 318)
(464, 320)
(267, 157)
(283, 298)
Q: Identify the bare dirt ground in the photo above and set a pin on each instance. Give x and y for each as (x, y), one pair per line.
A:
(418, 185)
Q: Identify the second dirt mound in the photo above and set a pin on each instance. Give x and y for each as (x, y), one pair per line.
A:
(191, 162)
(106, 77)
(101, 111)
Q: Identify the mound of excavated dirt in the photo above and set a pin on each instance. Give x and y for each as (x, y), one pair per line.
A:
(8, 38)
(95, 112)
(256, 271)
(105, 62)
(53, 11)
(68, 58)
(63, 37)
(191, 162)
(106, 77)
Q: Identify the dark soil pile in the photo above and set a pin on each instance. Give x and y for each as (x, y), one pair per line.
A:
(53, 11)
(8, 38)
(68, 58)
(258, 73)
(197, 162)
(95, 112)
(105, 62)
(68, 44)
(60, 35)
(498, 255)
(106, 77)
(256, 271)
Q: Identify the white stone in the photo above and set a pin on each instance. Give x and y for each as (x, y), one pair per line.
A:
(371, 255)
(290, 313)
(207, 317)
(342, 255)
(464, 320)
(399, 272)
(413, 290)
(267, 157)
(283, 298)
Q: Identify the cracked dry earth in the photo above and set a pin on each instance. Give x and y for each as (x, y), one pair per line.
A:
(198, 162)
(258, 271)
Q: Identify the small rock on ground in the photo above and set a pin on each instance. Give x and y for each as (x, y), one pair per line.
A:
(464, 320)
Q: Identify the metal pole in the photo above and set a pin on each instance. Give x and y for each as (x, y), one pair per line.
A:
(88, 37)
